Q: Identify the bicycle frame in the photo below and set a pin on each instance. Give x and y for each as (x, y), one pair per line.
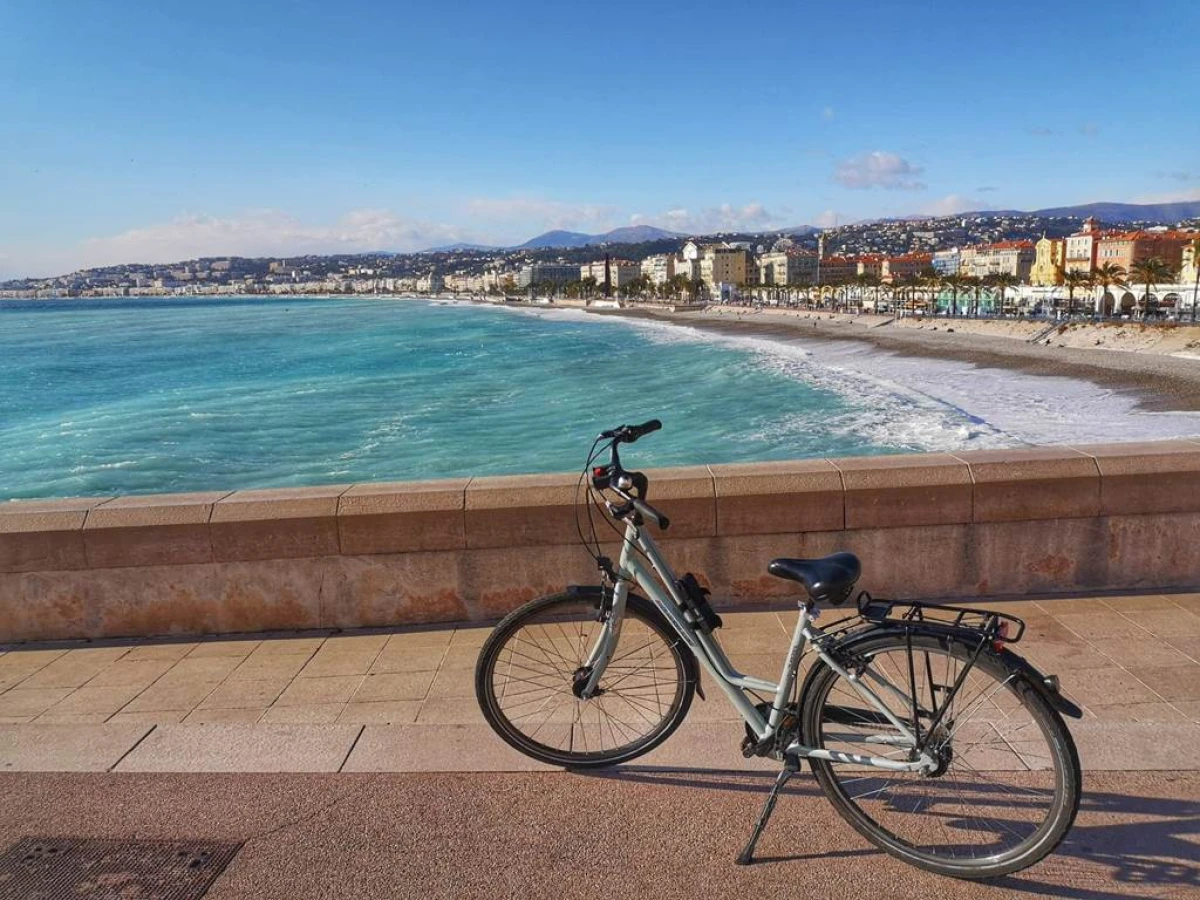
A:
(658, 582)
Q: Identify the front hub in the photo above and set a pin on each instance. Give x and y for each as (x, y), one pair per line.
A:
(579, 682)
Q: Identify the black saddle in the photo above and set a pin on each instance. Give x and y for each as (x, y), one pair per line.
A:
(827, 580)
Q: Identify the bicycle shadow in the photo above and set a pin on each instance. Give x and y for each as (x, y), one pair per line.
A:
(1097, 861)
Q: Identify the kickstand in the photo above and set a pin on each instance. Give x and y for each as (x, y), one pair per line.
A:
(791, 765)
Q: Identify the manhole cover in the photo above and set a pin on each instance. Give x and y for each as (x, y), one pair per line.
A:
(87, 869)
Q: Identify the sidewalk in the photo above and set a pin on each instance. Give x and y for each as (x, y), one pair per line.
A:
(403, 700)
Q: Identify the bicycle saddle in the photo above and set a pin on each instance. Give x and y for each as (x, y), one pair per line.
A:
(827, 580)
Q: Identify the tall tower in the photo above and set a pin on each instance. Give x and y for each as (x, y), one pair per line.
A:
(607, 275)
(820, 246)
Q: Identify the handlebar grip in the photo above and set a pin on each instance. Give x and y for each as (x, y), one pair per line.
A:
(648, 512)
(634, 432)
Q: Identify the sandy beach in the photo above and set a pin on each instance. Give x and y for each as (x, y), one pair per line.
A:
(1159, 365)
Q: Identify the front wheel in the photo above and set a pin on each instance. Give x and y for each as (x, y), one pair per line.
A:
(530, 666)
(1006, 786)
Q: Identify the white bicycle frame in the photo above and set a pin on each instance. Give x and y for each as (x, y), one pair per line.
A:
(657, 581)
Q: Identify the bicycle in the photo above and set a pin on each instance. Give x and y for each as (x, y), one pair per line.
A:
(927, 733)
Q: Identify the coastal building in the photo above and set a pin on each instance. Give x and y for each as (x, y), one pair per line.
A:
(837, 270)
(899, 268)
(947, 262)
(431, 283)
(1080, 255)
(727, 264)
(1189, 263)
(1003, 258)
(1125, 248)
(787, 266)
(659, 269)
(1049, 261)
(548, 273)
(687, 263)
(870, 265)
(622, 272)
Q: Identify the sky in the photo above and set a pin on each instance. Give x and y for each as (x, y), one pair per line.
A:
(160, 131)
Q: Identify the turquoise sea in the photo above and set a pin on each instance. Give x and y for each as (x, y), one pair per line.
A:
(156, 395)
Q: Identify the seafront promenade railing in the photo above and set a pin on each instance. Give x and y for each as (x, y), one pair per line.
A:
(983, 523)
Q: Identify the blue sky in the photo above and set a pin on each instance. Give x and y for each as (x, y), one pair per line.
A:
(137, 131)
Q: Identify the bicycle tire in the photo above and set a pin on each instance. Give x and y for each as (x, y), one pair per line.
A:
(660, 720)
(966, 812)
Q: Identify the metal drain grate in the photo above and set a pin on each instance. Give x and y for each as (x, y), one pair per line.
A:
(88, 869)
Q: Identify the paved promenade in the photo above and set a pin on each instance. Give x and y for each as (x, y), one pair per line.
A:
(238, 740)
(403, 701)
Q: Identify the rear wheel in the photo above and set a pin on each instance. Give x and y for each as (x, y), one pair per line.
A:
(1007, 783)
(529, 669)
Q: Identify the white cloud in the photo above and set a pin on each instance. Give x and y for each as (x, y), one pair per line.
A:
(726, 217)
(264, 233)
(829, 218)
(879, 169)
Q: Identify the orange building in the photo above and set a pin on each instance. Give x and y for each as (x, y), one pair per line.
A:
(1124, 248)
(836, 269)
(897, 268)
(1080, 253)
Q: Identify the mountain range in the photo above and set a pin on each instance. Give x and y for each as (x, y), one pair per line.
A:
(1107, 213)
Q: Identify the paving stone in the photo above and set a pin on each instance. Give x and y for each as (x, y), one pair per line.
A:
(155, 717)
(1111, 688)
(164, 694)
(355, 643)
(126, 672)
(313, 714)
(1100, 626)
(421, 638)
(203, 668)
(1165, 622)
(307, 691)
(66, 748)
(90, 700)
(242, 748)
(245, 694)
(395, 686)
(452, 712)
(408, 659)
(470, 637)
(243, 716)
(290, 644)
(216, 647)
(1171, 682)
(392, 712)
(1137, 746)
(452, 683)
(1136, 712)
(343, 662)
(260, 666)
(1143, 652)
(170, 651)
(30, 701)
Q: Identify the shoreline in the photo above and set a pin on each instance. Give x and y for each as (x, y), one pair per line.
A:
(1157, 381)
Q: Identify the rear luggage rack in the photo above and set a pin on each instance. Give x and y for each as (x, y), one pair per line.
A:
(986, 623)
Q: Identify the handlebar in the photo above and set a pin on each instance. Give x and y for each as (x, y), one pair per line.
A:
(628, 434)
(613, 477)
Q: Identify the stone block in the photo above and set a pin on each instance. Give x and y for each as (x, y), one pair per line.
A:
(396, 589)
(276, 524)
(686, 496)
(1034, 483)
(520, 510)
(150, 530)
(403, 517)
(40, 535)
(905, 490)
(1148, 477)
(779, 497)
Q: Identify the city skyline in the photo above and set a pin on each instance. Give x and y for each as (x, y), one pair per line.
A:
(156, 133)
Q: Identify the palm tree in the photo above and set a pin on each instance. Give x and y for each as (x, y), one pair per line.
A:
(954, 284)
(1074, 280)
(1109, 275)
(1002, 281)
(1150, 272)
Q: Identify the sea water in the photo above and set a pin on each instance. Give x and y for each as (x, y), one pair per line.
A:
(159, 395)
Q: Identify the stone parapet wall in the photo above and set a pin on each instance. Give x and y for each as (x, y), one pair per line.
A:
(981, 523)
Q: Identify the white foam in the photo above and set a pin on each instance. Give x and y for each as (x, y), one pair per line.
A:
(932, 404)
